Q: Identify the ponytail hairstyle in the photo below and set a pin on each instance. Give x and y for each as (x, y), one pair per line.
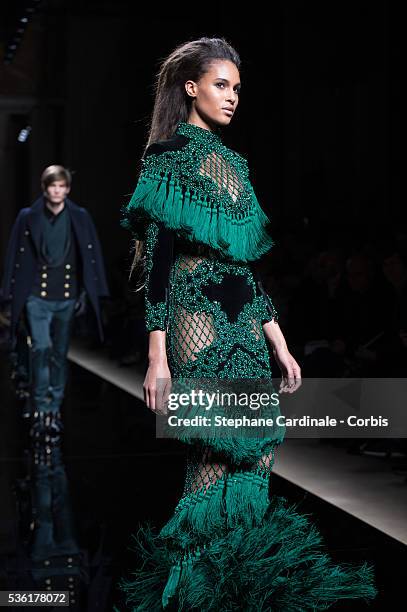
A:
(188, 61)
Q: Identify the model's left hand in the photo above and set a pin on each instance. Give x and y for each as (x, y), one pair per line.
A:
(290, 370)
(80, 306)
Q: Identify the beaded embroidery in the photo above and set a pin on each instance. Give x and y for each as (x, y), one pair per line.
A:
(203, 191)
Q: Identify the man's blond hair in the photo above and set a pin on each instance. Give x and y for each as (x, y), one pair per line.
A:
(55, 173)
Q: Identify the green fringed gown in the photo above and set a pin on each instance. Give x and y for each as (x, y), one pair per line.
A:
(229, 545)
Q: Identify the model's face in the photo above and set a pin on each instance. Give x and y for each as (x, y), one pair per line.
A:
(216, 94)
(56, 192)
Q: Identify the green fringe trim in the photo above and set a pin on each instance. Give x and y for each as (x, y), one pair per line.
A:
(237, 445)
(172, 583)
(246, 499)
(234, 499)
(276, 564)
(241, 237)
(196, 515)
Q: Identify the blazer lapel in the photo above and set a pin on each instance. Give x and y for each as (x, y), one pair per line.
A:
(34, 222)
(76, 219)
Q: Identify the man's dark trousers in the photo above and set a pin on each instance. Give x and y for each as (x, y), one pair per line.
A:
(50, 324)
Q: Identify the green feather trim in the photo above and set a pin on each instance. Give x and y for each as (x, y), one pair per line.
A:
(199, 217)
(277, 563)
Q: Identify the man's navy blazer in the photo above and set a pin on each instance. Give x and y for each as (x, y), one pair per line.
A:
(23, 253)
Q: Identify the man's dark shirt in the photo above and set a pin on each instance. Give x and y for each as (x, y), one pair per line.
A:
(57, 275)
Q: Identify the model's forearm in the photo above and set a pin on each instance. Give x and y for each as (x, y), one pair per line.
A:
(274, 335)
(157, 346)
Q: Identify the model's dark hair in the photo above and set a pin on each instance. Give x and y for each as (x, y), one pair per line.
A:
(188, 61)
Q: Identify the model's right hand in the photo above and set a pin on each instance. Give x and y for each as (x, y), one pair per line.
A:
(157, 386)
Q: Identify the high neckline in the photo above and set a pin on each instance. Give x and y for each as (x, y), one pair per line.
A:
(52, 217)
(198, 133)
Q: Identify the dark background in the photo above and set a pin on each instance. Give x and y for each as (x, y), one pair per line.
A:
(319, 120)
(319, 113)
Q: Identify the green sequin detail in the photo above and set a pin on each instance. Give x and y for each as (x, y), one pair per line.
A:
(155, 314)
(186, 298)
(201, 341)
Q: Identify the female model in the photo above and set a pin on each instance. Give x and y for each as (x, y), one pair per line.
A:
(229, 545)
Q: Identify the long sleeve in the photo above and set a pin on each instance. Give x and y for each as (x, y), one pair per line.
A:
(268, 309)
(159, 248)
(10, 257)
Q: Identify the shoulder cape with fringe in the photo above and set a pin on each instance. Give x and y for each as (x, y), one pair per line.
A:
(202, 190)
